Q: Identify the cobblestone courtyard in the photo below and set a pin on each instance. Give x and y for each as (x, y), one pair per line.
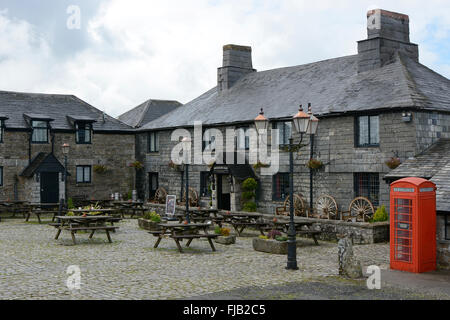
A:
(33, 265)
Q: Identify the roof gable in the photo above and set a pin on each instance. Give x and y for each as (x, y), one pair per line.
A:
(148, 111)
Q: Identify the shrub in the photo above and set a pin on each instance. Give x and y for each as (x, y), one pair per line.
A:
(225, 232)
(248, 195)
(70, 204)
(273, 234)
(217, 230)
(249, 185)
(380, 215)
(249, 207)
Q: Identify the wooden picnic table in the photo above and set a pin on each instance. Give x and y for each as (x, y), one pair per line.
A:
(73, 224)
(180, 231)
(300, 229)
(240, 221)
(14, 207)
(131, 207)
(43, 208)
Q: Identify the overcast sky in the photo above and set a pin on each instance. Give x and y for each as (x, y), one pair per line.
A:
(127, 51)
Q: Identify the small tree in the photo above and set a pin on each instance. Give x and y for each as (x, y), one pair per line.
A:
(249, 187)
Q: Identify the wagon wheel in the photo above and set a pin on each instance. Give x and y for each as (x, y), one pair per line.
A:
(326, 207)
(362, 209)
(299, 205)
(193, 197)
(160, 195)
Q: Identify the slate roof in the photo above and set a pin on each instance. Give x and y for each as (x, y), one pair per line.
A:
(148, 111)
(433, 164)
(43, 162)
(333, 87)
(53, 106)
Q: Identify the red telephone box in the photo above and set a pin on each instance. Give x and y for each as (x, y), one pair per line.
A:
(413, 225)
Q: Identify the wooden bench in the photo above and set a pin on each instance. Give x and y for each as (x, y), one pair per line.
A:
(38, 214)
(243, 225)
(75, 228)
(312, 233)
(191, 237)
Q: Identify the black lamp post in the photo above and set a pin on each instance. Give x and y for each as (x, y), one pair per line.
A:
(302, 122)
(186, 146)
(65, 151)
(312, 129)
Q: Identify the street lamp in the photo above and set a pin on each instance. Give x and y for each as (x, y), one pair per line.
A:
(65, 151)
(186, 146)
(303, 123)
(312, 129)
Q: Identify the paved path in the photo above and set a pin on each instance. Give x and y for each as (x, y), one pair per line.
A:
(33, 265)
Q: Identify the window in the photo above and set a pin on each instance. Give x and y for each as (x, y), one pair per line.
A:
(153, 142)
(205, 191)
(40, 131)
(1, 176)
(2, 127)
(153, 184)
(242, 138)
(284, 132)
(367, 185)
(83, 174)
(209, 141)
(367, 131)
(280, 187)
(83, 133)
(447, 227)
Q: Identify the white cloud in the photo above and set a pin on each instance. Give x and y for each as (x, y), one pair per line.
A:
(172, 49)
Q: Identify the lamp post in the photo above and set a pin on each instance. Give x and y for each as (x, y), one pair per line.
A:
(312, 129)
(186, 146)
(302, 124)
(65, 151)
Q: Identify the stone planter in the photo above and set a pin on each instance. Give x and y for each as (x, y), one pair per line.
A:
(226, 240)
(148, 225)
(270, 246)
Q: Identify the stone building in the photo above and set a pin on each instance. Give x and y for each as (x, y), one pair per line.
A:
(378, 104)
(33, 128)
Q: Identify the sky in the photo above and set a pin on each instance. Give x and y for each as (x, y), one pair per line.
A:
(116, 54)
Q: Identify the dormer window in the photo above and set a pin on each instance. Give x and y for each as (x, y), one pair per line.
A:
(83, 132)
(40, 131)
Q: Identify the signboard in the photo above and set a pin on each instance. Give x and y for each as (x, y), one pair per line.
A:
(170, 205)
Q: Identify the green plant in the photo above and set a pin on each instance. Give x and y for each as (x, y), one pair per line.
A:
(152, 216)
(249, 185)
(380, 215)
(130, 195)
(249, 207)
(70, 204)
(281, 239)
(217, 230)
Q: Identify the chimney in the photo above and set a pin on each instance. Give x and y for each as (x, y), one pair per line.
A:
(387, 34)
(237, 62)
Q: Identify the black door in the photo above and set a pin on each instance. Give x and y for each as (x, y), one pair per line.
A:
(49, 187)
(223, 199)
(153, 184)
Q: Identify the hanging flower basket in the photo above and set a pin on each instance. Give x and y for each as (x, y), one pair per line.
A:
(174, 166)
(137, 165)
(260, 165)
(100, 168)
(314, 164)
(393, 163)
